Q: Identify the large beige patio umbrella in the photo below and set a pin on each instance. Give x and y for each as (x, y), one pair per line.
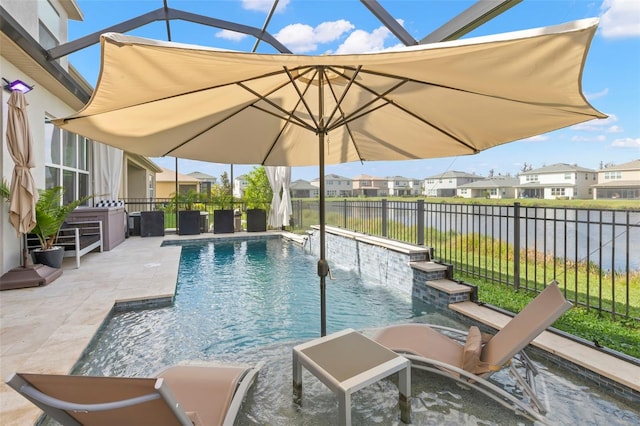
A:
(454, 98)
(23, 192)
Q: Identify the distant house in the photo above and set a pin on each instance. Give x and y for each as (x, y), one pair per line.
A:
(206, 182)
(402, 186)
(494, 187)
(446, 184)
(557, 181)
(239, 185)
(303, 189)
(369, 186)
(166, 183)
(335, 186)
(618, 182)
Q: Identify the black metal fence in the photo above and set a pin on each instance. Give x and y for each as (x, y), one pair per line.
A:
(593, 253)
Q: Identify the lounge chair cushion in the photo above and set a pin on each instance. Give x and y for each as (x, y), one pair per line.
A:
(204, 391)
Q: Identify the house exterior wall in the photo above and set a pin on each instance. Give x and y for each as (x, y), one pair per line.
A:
(570, 184)
(446, 186)
(399, 186)
(335, 186)
(619, 182)
(371, 187)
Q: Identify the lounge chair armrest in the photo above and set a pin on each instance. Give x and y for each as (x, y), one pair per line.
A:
(72, 406)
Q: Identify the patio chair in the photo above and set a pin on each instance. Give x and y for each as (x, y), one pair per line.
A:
(472, 357)
(179, 395)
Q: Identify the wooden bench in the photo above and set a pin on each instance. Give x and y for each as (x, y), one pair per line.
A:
(77, 238)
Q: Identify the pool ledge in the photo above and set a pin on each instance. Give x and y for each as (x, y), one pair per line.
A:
(608, 366)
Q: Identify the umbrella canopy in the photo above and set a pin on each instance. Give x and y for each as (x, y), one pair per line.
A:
(22, 202)
(446, 99)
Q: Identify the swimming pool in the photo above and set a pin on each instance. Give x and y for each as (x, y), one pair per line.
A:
(253, 300)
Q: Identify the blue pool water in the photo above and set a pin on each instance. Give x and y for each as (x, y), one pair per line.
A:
(253, 300)
(236, 296)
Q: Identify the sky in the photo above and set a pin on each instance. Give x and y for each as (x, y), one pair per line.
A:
(610, 82)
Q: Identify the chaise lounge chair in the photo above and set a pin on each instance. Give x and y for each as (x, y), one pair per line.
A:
(471, 357)
(179, 395)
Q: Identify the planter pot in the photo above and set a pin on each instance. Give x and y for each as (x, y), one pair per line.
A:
(256, 220)
(52, 257)
(189, 222)
(223, 221)
(152, 224)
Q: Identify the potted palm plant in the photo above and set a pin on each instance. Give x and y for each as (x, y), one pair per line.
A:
(189, 218)
(223, 217)
(4, 190)
(50, 216)
(257, 197)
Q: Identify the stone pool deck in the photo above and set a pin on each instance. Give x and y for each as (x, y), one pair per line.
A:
(46, 329)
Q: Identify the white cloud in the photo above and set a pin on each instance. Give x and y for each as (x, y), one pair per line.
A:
(596, 125)
(592, 96)
(615, 129)
(301, 38)
(327, 32)
(230, 35)
(264, 5)
(361, 41)
(619, 18)
(538, 138)
(598, 138)
(626, 143)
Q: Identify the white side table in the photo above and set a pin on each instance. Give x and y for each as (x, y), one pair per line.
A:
(346, 362)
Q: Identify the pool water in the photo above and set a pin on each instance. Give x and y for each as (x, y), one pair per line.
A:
(253, 300)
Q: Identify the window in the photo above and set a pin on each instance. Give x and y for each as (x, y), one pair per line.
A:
(532, 178)
(66, 162)
(493, 191)
(612, 175)
(567, 176)
(558, 192)
(151, 186)
(49, 25)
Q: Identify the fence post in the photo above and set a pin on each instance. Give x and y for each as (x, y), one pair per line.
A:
(344, 213)
(420, 222)
(384, 217)
(516, 246)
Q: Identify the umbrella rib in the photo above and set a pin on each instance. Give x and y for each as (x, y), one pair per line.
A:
(301, 95)
(264, 98)
(287, 116)
(344, 92)
(361, 111)
(338, 107)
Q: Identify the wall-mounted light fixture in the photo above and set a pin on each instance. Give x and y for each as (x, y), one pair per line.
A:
(16, 85)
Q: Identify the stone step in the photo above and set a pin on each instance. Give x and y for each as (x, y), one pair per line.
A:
(427, 266)
(449, 287)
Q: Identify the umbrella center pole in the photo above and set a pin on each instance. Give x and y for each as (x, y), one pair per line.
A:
(323, 265)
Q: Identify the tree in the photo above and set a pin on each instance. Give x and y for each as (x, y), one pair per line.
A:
(258, 193)
(223, 192)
